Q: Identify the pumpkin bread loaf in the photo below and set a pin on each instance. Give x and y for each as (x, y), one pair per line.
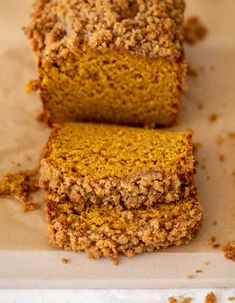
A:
(114, 61)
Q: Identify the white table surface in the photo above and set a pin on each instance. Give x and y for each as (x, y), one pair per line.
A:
(109, 296)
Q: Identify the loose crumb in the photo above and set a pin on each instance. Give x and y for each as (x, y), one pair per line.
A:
(214, 222)
(200, 105)
(30, 206)
(229, 250)
(187, 300)
(190, 277)
(20, 186)
(198, 271)
(115, 261)
(206, 263)
(213, 117)
(194, 30)
(32, 86)
(42, 117)
(210, 298)
(197, 146)
(65, 260)
(221, 158)
(231, 298)
(219, 140)
(212, 242)
(191, 71)
(172, 300)
(231, 135)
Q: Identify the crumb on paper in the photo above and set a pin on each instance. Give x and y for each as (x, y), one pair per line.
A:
(190, 277)
(198, 271)
(172, 300)
(191, 71)
(197, 146)
(210, 298)
(229, 250)
(20, 186)
(200, 105)
(194, 30)
(219, 140)
(65, 260)
(221, 158)
(214, 222)
(32, 86)
(212, 242)
(42, 117)
(213, 117)
(231, 298)
(231, 135)
(30, 206)
(206, 263)
(115, 261)
(187, 300)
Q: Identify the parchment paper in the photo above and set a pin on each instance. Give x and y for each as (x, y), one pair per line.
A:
(22, 136)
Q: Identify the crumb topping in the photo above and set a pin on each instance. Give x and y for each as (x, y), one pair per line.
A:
(151, 28)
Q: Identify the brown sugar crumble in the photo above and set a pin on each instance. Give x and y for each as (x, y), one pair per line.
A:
(210, 298)
(20, 186)
(194, 30)
(213, 117)
(142, 27)
(229, 250)
(65, 260)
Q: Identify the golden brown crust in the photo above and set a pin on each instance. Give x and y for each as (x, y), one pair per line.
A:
(150, 28)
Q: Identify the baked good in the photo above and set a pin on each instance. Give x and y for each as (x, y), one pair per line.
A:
(114, 61)
(117, 190)
(101, 231)
(103, 164)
